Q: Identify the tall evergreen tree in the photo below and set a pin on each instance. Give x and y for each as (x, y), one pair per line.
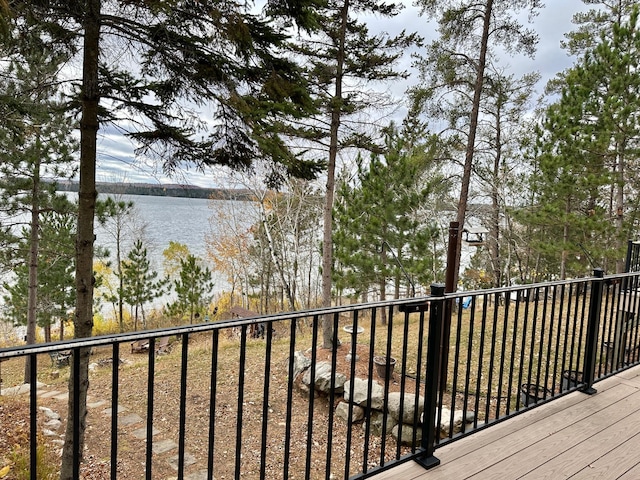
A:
(499, 164)
(593, 23)
(35, 142)
(379, 234)
(590, 147)
(55, 278)
(453, 71)
(188, 57)
(344, 61)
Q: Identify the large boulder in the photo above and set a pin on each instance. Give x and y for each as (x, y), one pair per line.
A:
(342, 411)
(300, 363)
(407, 433)
(408, 408)
(322, 379)
(377, 419)
(361, 394)
(459, 417)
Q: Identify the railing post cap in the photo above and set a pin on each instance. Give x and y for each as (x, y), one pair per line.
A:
(437, 289)
(598, 272)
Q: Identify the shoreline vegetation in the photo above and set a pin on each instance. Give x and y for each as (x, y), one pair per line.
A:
(161, 190)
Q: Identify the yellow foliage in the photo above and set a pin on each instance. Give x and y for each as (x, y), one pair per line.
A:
(4, 471)
(173, 254)
(224, 306)
(104, 326)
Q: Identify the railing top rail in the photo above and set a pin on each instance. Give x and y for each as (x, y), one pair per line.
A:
(313, 313)
(521, 287)
(198, 328)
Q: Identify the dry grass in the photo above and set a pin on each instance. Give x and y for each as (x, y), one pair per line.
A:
(133, 385)
(479, 361)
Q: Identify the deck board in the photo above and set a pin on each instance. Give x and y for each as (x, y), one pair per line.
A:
(577, 436)
(631, 474)
(611, 462)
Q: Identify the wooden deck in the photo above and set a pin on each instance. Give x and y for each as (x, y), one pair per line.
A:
(577, 436)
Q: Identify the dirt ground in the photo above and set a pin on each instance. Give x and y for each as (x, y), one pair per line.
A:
(284, 414)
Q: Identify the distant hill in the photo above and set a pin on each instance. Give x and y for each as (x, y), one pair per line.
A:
(158, 190)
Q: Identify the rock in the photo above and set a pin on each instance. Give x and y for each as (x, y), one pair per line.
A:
(377, 418)
(458, 418)
(342, 411)
(407, 434)
(409, 415)
(322, 380)
(50, 414)
(360, 394)
(300, 363)
(53, 424)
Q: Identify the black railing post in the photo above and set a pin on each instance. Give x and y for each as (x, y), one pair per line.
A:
(593, 323)
(427, 459)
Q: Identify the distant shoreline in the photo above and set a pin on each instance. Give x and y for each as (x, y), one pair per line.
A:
(159, 190)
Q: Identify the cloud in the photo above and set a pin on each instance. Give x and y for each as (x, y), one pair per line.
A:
(117, 161)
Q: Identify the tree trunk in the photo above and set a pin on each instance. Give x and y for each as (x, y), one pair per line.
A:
(327, 239)
(383, 288)
(276, 260)
(564, 255)
(120, 282)
(471, 141)
(34, 240)
(620, 240)
(494, 228)
(83, 321)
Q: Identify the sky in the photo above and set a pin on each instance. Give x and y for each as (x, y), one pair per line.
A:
(117, 163)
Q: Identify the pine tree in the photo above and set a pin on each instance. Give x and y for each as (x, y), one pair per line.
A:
(140, 284)
(453, 72)
(35, 142)
(379, 233)
(343, 62)
(55, 278)
(590, 142)
(194, 289)
(499, 163)
(595, 23)
(186, 57)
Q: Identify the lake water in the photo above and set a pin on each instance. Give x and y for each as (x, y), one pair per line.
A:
(165, 219)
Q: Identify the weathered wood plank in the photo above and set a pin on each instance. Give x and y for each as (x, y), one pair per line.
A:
(587, 436)
(613, 463)
(569, 461)
(500, 452)
(406, 471)
(631, 474)
(564, 431)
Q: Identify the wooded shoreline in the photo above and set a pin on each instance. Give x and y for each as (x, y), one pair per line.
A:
(161, 190)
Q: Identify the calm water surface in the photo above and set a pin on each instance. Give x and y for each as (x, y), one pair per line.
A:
(165, 219)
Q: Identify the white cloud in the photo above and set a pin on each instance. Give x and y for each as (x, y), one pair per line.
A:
(117, 161)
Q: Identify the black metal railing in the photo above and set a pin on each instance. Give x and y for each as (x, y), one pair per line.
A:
(263, 398)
